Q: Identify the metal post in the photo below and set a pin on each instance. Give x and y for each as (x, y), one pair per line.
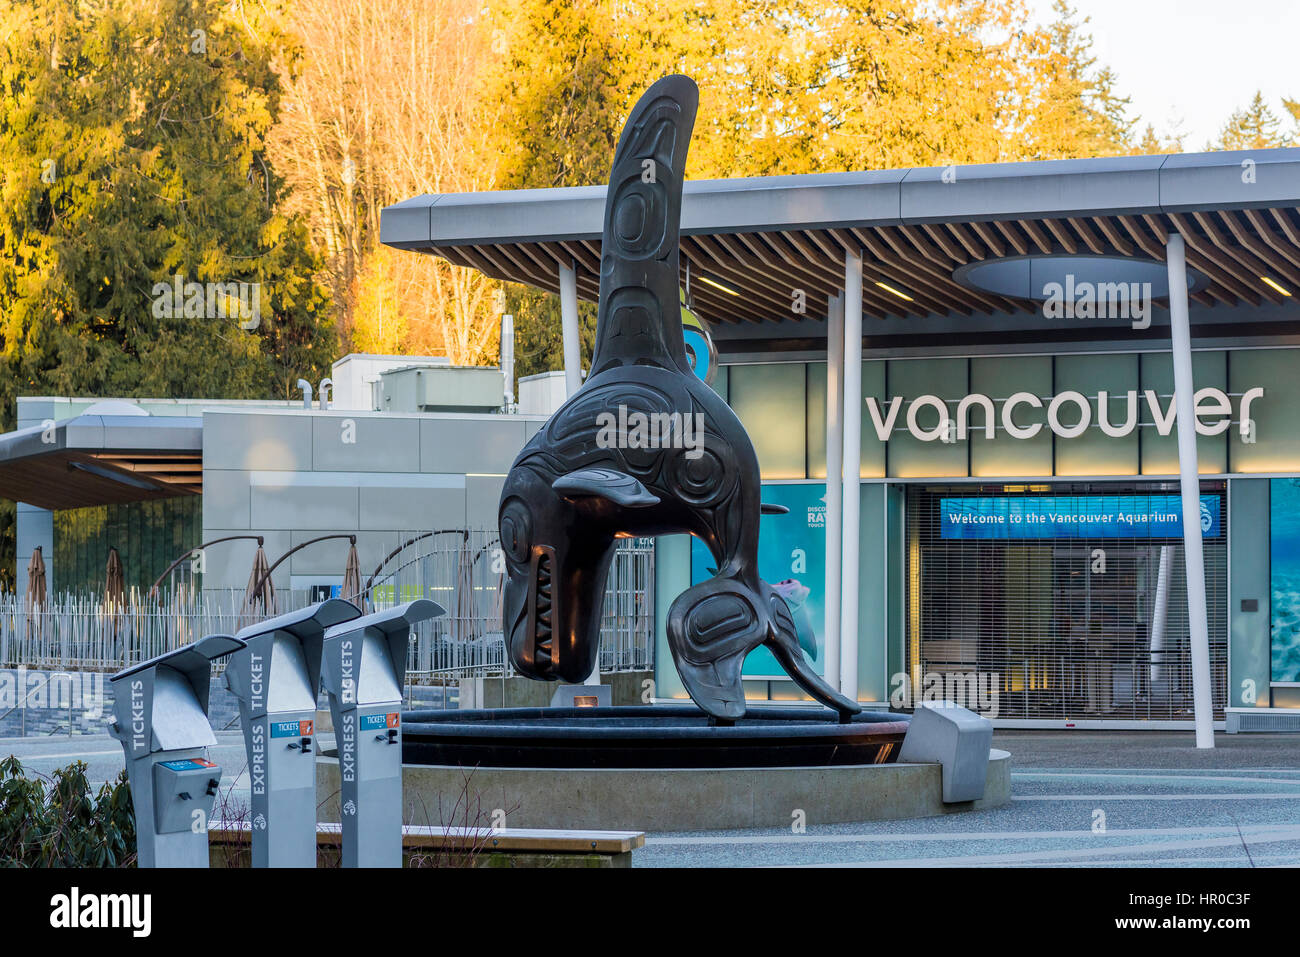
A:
(507, 350)
(573, 367)
(834, 483)
(569, 327)
(852, 474)
(1160, 616)
(1190, 485)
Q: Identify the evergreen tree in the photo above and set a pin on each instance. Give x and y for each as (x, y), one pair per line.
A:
(131, 138)
(1255, 127)
(131, 152)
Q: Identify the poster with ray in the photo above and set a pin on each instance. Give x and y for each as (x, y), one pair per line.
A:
(1284, 532)
(792, 559)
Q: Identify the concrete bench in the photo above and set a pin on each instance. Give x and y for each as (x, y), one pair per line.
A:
(422, 846)
(940, 732)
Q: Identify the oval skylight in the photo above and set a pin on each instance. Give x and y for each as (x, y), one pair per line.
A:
(1042, 276)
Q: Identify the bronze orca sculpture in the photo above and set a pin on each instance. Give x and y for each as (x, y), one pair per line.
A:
(588, 478)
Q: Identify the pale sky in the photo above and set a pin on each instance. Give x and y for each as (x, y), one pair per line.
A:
(1195, 61)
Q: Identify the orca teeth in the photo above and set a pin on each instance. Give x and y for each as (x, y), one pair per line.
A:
(543, 632)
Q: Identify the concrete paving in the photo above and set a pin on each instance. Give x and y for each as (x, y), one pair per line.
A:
(1088, 799)
(1083, 799)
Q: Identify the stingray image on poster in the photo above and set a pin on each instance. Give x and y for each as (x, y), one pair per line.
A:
(1284, 532)
(791, 555)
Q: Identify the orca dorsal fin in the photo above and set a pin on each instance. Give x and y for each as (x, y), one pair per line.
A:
(639, 316)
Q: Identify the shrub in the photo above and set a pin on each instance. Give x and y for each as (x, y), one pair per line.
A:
(58, 822)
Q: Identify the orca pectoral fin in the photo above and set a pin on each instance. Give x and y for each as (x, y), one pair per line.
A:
(618, 487)
(766, 509)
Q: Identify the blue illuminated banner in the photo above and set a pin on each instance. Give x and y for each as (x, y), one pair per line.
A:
(1073, 516)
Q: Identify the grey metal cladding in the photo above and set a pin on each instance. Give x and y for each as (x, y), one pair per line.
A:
(24, 442)
(1191, 182)
(1053, 188)
(96, 433)
(1119, 185)
(407, 224)
(540, 215)
(814, 201)
(179, 433)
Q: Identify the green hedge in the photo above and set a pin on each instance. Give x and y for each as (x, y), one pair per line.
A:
(58, 822)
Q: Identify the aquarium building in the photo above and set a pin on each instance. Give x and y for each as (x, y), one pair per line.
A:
(1058, 403)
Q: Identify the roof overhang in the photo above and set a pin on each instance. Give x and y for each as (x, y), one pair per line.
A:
(765, 237)
(102, 460)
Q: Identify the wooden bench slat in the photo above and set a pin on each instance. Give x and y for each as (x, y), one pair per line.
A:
(461, 838)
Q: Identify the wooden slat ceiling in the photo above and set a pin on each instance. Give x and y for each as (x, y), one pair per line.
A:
(65, 479)
(1234, 249)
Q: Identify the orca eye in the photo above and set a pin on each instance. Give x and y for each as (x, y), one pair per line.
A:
(516, 530)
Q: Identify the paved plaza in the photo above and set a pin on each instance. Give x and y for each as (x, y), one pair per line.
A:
(1087, 799)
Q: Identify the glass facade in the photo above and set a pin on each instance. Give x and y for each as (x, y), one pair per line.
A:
(1076, 611)
(1079, 610)
(1284, 579)
(148, 536)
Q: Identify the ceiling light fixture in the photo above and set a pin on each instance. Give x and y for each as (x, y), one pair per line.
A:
(897, 292)
(710, 281)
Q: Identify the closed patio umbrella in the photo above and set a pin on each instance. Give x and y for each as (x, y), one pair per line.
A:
(260, 593)
(114, 580)
(36, 579)
(352, 580)
(35, 599)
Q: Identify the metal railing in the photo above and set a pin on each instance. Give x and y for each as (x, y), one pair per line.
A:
(87, 633)
(463, 571)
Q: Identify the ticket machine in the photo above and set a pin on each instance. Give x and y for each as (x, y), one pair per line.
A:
(160, 714)
(276, 677)
(363, 671)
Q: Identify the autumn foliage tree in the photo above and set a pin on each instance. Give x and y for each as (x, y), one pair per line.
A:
(386, 104)
(790, 86)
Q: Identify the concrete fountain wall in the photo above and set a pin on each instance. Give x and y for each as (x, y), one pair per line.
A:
(672, 799)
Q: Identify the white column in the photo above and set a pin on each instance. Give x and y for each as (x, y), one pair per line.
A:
(852, 474)
(573, 367)
(1190, 484)
(1160, 615)
(569, 328)
(834, 483)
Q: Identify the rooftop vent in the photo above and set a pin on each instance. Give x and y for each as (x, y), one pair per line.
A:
(441, 389)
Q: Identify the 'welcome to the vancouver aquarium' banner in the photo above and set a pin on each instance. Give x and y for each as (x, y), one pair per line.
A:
(1073, 516)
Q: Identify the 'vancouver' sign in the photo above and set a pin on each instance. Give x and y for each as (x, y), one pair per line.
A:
(1213, 407)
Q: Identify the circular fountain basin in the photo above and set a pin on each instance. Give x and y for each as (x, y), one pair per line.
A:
(660, 768)
(657, 736)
